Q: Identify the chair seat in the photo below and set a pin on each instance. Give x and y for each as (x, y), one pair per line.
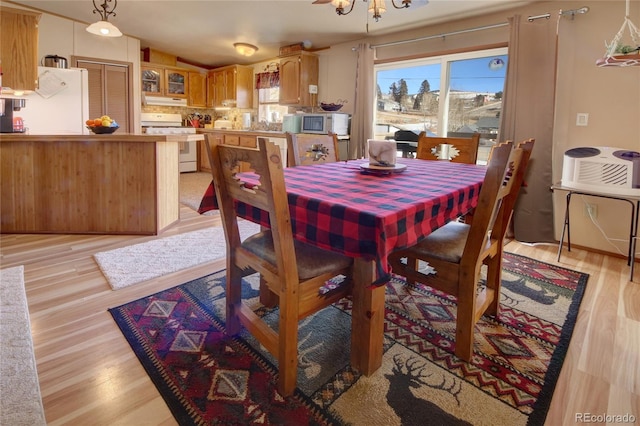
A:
(445, 243)
(312, 261)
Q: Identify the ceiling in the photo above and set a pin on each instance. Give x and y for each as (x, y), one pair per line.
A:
(203, 32)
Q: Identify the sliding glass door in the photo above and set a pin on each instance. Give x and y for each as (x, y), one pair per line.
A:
(452, 95)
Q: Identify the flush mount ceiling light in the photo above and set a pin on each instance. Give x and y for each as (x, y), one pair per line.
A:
(103, 27)
(245, 49)
(376, 7)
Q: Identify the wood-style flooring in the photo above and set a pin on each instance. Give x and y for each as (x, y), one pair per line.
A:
(90, 376)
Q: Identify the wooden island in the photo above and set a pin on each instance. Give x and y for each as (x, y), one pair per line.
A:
(89, 184)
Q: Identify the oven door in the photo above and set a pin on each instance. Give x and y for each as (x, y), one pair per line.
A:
(188, 156)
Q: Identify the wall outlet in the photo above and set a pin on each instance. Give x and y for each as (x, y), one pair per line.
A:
(313, 89)
(582, 119)
(590, 210)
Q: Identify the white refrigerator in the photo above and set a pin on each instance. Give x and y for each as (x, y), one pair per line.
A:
(60, 104)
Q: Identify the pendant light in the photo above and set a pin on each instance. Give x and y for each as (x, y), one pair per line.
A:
(103, 27)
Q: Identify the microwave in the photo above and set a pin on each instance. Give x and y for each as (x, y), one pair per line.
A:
(323, 123)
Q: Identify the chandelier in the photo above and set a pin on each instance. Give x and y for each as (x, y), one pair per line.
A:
(103, 27)
(376, 7)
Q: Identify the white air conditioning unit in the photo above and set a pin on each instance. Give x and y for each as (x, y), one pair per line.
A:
(603, 169)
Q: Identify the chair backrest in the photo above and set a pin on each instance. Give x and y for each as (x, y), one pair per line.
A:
(504, 163)
(269, 195)
(465, 150)
(307, 148)
(505, 210)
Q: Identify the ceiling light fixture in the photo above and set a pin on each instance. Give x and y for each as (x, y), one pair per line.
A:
(103, 27)
(245, 49)
(376, 7)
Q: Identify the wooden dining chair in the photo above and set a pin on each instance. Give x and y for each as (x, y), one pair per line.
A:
(465, 150)
(307, 148)
(458, 250)
(292, 270)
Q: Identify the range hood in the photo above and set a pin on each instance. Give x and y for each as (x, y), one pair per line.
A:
(163, 101)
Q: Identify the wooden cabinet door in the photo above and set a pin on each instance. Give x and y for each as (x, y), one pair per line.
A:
(230, 83)
(290, 80)
(244, 87)
(176, 83)
(197, 89)
(297, 72)
(19, 48)
(152, 80)
(219, 88)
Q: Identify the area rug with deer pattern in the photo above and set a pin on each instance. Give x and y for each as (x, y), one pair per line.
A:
(207, 377)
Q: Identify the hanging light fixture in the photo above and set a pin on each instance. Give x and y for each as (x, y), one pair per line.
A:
(376, 7)
(245, 49)
(103, 27)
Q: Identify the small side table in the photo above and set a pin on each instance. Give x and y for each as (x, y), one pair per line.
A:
(634, 201)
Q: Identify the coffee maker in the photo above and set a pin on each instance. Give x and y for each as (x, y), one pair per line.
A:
(7, 108)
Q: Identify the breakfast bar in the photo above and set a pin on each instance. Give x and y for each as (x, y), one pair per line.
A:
(90, 184)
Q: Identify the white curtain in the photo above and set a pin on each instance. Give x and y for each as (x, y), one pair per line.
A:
(528, 112)
(361, 120)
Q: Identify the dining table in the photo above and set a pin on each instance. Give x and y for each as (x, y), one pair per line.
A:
(366, 213)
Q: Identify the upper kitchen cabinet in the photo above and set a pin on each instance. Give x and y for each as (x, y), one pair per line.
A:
(197, 89)
(297, 72)
(161, 81)
(152, 80)
(19, 48)
(231, 83)
(177, 83)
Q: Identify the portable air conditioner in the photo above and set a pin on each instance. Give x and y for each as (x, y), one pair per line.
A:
(603, 169)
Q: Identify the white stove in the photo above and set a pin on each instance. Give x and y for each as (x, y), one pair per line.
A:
(171, 124)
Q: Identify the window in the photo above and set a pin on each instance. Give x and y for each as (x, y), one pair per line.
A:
(268, 108)
(452, 95)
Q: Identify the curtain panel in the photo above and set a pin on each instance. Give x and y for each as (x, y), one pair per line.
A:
(528, 112)
(267, 80)
(361, 128)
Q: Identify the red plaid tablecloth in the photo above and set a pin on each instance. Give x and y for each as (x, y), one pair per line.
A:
(335, 207)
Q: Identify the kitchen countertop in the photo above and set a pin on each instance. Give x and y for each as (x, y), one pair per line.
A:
(269, 133)
(114, 137)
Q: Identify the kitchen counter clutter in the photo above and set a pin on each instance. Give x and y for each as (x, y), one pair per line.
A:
(89, 184)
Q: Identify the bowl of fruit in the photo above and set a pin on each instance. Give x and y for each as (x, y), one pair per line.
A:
(102, 125)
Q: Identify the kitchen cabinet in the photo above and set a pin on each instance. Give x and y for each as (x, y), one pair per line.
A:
(161, 81)
(152, 80)
(205, 164)
(19, 48)
(177, 83)
(231, 83)
(297, 72)
(197, 89)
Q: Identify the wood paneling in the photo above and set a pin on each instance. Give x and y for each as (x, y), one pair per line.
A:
(89, 184)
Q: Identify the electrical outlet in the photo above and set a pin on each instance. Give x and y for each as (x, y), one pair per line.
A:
(591, 210)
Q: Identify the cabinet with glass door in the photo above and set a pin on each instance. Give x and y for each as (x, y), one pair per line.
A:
(152, 80)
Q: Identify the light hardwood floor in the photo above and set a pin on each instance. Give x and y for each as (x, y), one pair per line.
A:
(89, 375)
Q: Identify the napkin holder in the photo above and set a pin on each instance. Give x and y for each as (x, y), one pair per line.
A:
(382, 152)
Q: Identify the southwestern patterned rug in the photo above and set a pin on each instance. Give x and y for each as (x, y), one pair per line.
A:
(208, 378)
